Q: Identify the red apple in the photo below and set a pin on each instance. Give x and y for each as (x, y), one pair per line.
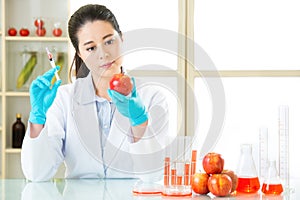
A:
(213, 163)
(233, 177)
(57, 32)
(39, 23)
(41, 31)
(219, 185)
(24, 32)
(121, 83)
(12, 31)
(199, 183)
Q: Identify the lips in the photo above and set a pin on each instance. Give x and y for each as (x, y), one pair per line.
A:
(107, 65)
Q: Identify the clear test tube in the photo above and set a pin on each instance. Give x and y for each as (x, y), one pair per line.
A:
(180, 160)
(173, 151)
(179, 172)
(167, 170)
(283, 126)
(263, 151)
(168, 161)
(187, 171)
(193, 163)
(187, 158)
(173, 175)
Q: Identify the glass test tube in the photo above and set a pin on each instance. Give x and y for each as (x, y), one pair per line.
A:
(284, 144)
(180, 160)
(263, 151)
(167, 171)
(173, 153)
(193, 164)
(167, 164)
(187, 158)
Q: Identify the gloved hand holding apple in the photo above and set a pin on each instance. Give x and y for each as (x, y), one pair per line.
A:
(121, 83)
(124, 95)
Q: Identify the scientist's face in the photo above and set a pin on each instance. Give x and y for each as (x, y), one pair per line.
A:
(100, 47)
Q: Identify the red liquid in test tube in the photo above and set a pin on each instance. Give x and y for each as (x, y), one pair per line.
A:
(186, 173)
(193, 164)
(179, 180)
(173, 176)
(167, 171)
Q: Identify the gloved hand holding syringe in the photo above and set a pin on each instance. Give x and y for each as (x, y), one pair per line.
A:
(42, 93)
(51, 59)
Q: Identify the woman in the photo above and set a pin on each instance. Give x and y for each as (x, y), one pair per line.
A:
(95, 131)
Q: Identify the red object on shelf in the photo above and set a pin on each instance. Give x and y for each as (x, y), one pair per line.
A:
(24, 32)
(39, 23)
(12, 31)
(40, 32)
(57, 32)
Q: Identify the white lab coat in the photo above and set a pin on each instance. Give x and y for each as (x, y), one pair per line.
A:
(72, 135)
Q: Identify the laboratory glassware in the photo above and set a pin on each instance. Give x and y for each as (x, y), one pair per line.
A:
(248, 181)
(283, 123)
(179, 167)
(263, 151)
(272, 184)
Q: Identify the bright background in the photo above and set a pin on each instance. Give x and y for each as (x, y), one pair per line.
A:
(240, 37)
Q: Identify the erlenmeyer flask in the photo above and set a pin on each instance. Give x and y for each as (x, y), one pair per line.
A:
(248, 181)
(272, 183)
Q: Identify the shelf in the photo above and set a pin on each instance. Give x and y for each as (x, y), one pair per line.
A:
(13, 150)
(33, 38)
(17, 94)
(12, 99)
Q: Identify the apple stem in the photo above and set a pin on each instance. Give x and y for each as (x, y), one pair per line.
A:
(122, 72)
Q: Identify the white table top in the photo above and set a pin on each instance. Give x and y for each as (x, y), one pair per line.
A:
(120, 189)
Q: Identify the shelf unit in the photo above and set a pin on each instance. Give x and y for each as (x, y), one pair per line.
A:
(19, 14)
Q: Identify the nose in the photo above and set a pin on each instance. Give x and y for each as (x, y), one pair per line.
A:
(103, 54)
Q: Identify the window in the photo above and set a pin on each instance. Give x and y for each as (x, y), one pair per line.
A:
(255, 48)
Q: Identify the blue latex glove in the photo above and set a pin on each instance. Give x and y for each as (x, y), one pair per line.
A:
(42, 96)
(130, 106)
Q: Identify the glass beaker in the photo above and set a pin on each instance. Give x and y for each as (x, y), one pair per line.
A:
(272, 183)
(248, 181)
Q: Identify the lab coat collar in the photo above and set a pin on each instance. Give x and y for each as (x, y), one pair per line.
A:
(84, 90)
(85, 116)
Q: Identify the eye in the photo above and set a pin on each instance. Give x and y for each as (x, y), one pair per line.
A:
(91, 48)
(110, 41)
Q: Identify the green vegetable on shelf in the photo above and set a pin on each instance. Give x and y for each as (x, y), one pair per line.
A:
(27, 70)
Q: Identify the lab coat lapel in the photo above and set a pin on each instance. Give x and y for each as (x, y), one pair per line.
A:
(85, 116)
(116, 154)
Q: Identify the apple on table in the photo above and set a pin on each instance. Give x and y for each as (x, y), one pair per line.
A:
(213, 163)
(219, 185)
(200, 183)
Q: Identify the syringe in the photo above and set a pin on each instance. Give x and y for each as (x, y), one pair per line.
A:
(284, 145)
(51, 59)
